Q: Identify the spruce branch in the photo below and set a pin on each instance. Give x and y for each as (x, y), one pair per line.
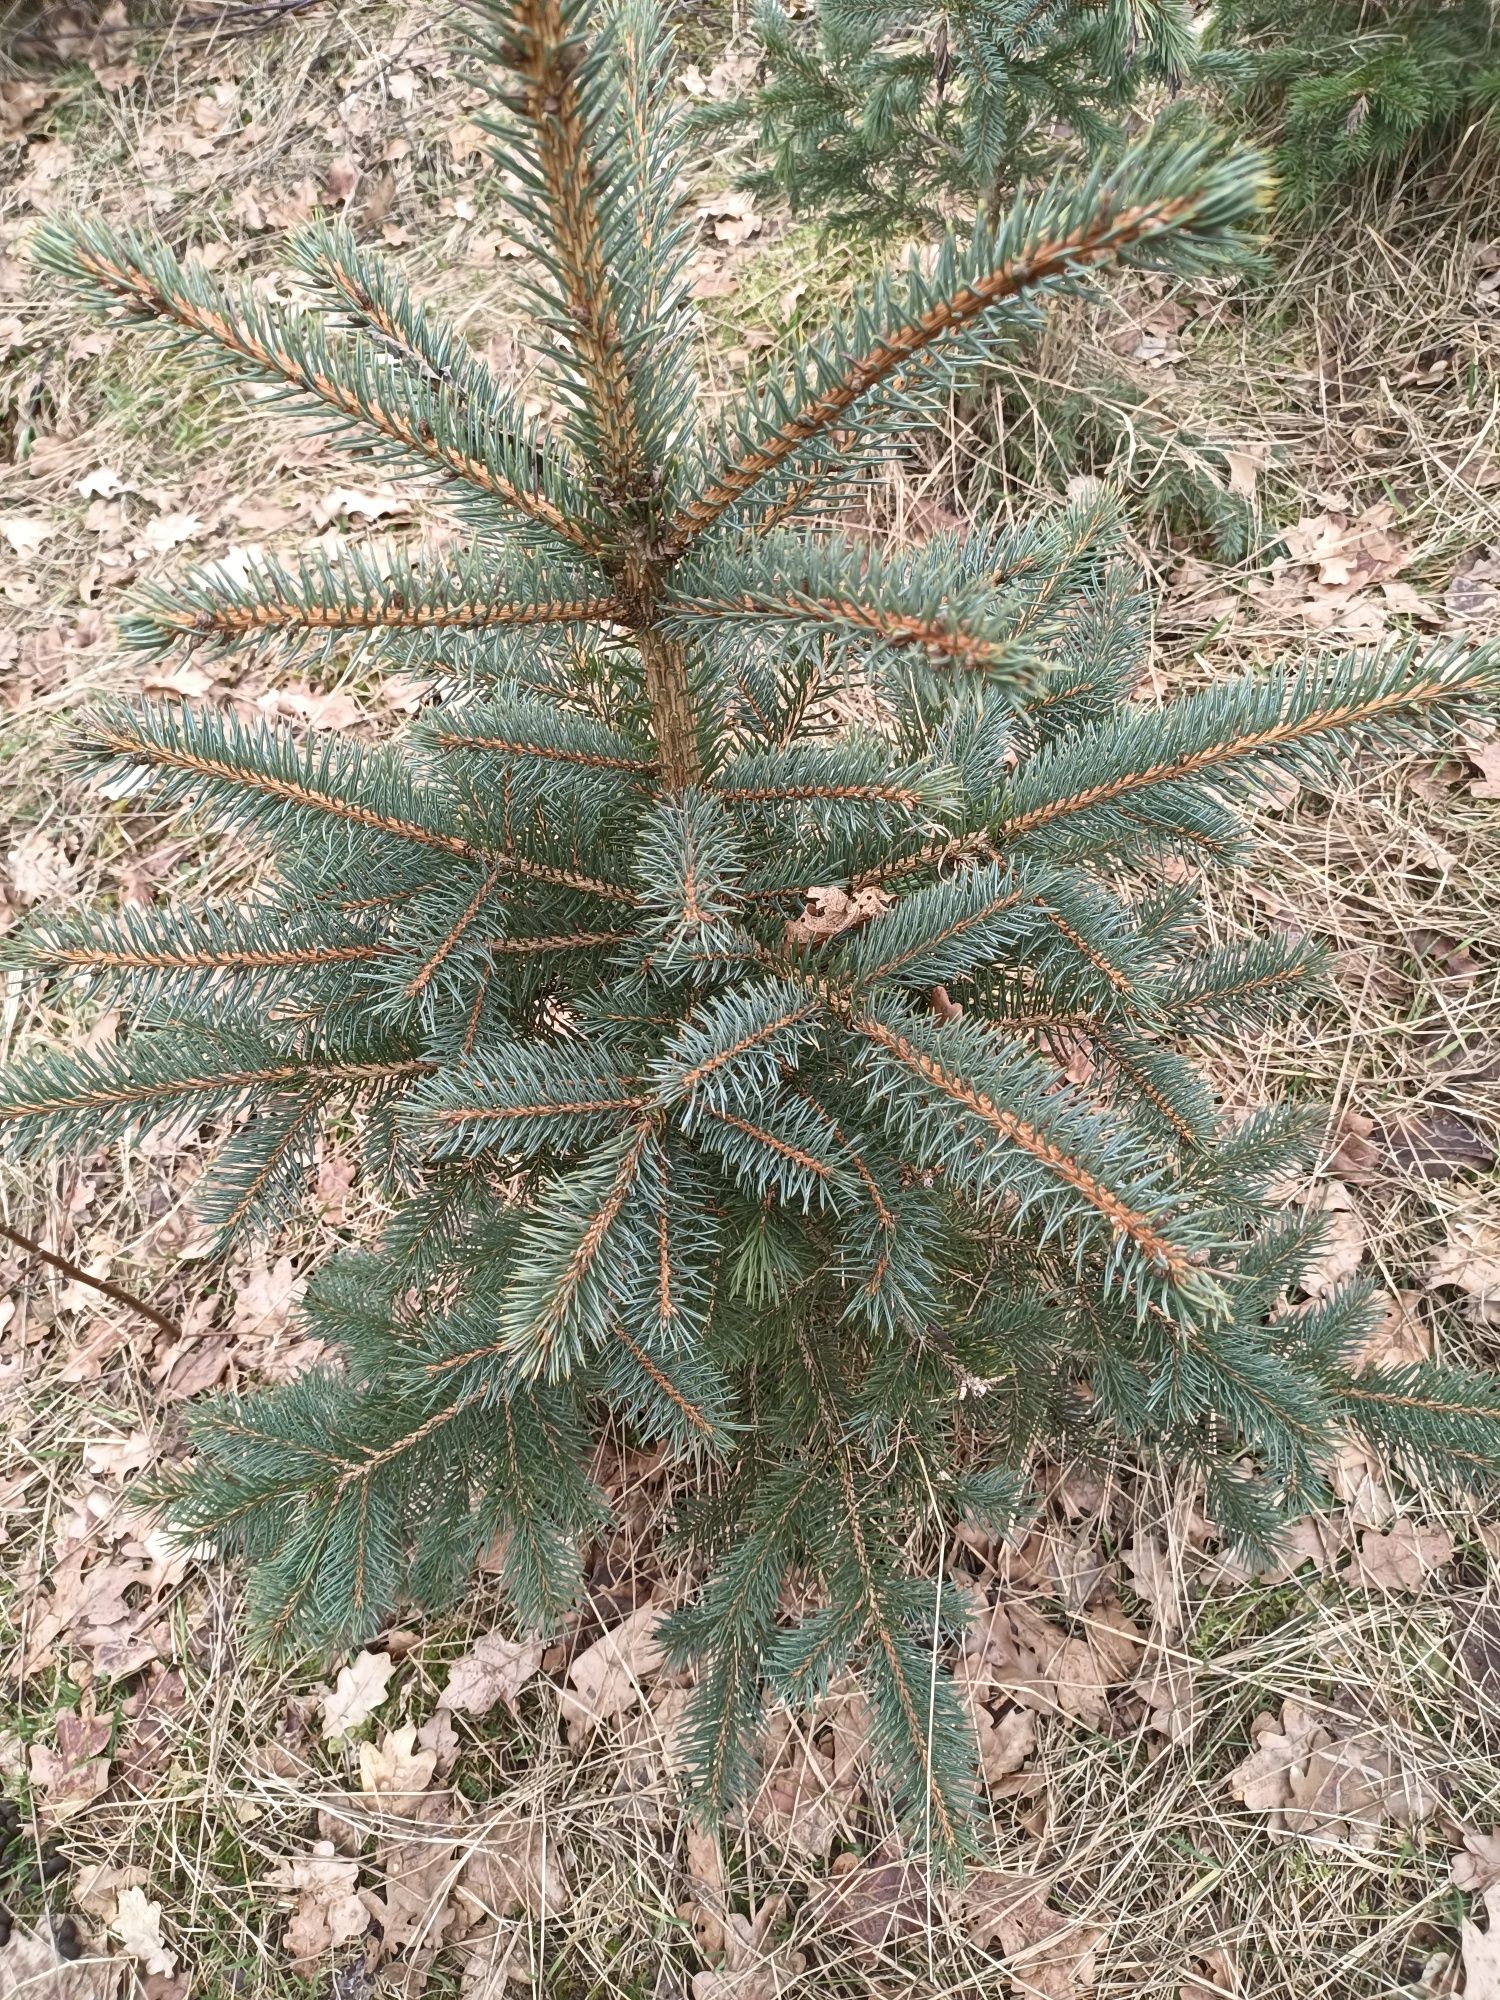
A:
(358, 593)
(1178, 195)
(421, 418)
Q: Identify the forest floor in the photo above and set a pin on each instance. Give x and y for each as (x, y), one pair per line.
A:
(1202, 1783)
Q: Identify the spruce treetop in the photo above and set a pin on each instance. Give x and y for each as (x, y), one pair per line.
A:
(704, 964)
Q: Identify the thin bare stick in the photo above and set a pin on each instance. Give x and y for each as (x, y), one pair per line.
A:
(71, 1270)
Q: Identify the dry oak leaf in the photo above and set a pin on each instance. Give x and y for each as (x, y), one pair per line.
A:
(1480, 1950)
(394, 1768)
(417, 1862)
(30, 1969)
(1331, 1784)
(1477, 1868)
(1166, 1685)
(707, 1888)
(804, 1798)
(1356, 1479)
(752, 1970)
(873, 1900)
(354, 1697)
(1401, 1559)
(1401, 1339)
(494, 1669)
(329, 1912)
(1487, 757)
(1158, 1581)
(1047, 1954)
(606, 1677)
(511, 1864)
(136, 1923)
(77, 1771)
(1213, 1977)
(1338, 1255)
(828, 913)
(1470, 1259)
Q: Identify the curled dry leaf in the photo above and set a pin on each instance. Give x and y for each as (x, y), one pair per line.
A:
(1402, 1559)
(829, 912)
(606, 1677)
(1213, 1976)
(356, 1694)
(328, 1910)
(494, 1669)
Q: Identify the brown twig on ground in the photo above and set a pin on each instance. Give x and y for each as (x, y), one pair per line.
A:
(71, 1270)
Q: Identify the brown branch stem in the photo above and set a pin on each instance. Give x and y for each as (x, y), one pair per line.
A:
(74, 1271)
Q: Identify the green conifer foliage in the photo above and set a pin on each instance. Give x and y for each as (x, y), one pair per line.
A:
(888, 117)
(1354, 90)
(704, 964)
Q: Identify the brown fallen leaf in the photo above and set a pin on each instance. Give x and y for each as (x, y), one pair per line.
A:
(1477, 1867)
(1357, 1478)
(394, 1768)
(1401, 1559)
(1157, 1581)
(1401, 1338)
(1246, 463)
(416, 1866)
(1331, 1783)
(1480, 1950)
(1356, 1153)
(494, 1669)
(873, 1900)
(1343, 1246)
(1213, 1976)
(1436, 1144)
(77, 1771)
(1166, 1685)
(30, 1969)
(1047, 1954)
(356, 1694)
(136, 1926)
(1486, 756)
(707, 1886)
(606, 1677)
(1470, 1260)
(753, 1968)
(804, 1798)
(328, 1910)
